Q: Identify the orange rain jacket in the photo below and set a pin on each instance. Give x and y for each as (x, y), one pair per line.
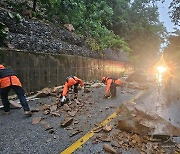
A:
(71, 81)
(109, 81)
(8, 78)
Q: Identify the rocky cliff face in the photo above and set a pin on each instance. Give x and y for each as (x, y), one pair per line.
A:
(38, 36)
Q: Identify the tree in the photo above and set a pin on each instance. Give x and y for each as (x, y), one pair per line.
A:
(172, 51)
(174, 10)
(137, 21)
(118, 24)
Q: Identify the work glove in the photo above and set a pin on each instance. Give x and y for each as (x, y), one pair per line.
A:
(106, 96)
(63, 99)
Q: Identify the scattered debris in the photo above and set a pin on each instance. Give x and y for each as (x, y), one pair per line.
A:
(49, 140)
(47, 127)
(45, 107)
(51, 131)
(98, 129)
(55, 114)
(43, 93)
(46, 112)
(72, 113)
(107, 128)
(87, 90)
(67, 121)
(97, 85)
(57, 90)
(104, 138)
(36, 120)
(53, 108)
(75, 132)
(109, 149)
(66, 107)
(35, 110)
(17, 105)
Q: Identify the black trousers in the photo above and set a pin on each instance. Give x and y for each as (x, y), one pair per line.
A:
(20, 93)
(113, 90)
(76, 88)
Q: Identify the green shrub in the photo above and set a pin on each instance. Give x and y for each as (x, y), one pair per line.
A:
(3, 33)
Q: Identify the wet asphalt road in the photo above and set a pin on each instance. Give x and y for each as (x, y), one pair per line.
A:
(19, 136)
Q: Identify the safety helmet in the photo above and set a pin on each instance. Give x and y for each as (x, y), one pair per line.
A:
(103, 79)
(2, 66)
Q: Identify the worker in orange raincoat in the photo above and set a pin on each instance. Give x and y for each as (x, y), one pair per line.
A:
(71, 81)
(8, 81)
(111, 85)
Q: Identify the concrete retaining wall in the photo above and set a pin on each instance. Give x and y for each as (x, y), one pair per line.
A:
(37, 70)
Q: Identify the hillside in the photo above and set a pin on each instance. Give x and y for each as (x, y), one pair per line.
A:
(38, 36)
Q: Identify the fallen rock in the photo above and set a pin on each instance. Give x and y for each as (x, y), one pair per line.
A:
(66, 122)
(57, 90)
(98, 129)
(77, 102)
(45, 107)
(36, 120)
(48, 140)
(35, 110)
(53, 108)
(47, 127)
(51, 131)
(46, 112)
(76, 122)
(53, 94)
(123, 92)
(87, 90)
(43, 93)
(75, 133)
(69, 27)
(96, 85)
(55, 114)
(15, 104)
(72, 113)
(104, 138)
(109, 149)
(107, 128)
(66, 107)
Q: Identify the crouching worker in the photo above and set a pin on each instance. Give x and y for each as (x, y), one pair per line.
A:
(111, 85)
(71, 81)
(8, 81)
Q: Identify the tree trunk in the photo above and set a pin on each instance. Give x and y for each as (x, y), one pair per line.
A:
(34, 5)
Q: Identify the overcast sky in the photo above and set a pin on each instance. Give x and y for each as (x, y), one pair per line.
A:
(164, 16)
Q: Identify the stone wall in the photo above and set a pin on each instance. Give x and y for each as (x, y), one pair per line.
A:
(39, 70)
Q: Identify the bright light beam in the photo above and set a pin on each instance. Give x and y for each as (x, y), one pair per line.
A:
(161, 69)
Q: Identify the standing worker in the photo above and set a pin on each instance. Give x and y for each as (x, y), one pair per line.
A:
(8, 81)
(71, 81)
(111, 85)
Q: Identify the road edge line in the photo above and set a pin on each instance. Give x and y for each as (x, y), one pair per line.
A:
(77, 144)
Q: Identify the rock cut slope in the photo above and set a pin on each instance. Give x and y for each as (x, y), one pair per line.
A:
(38, 36)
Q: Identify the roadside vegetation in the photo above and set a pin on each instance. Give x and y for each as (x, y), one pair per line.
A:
(132, 26)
